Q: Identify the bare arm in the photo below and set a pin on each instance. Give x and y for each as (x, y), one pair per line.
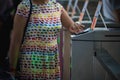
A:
(16, 37)
(68, 23)
(66, 20)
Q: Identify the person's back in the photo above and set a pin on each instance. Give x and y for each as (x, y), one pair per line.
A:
(111, 10)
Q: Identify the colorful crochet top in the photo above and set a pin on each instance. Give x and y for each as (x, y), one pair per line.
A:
(39, 55)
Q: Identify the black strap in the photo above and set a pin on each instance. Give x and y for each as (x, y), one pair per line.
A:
(27, 21)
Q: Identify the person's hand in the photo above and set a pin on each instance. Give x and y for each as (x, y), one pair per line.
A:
(76, 28)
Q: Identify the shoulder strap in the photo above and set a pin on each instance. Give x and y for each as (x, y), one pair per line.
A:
(30, 11)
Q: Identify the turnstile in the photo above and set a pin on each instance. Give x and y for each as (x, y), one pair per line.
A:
(84, 64)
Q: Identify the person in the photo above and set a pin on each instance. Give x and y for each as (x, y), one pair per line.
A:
(37, 57)
(111, 10)
(5, 30)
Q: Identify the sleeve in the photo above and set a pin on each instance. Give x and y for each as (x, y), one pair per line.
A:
(23, 9)
(60, 7)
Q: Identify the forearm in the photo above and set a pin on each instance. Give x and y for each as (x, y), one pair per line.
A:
(13, 57)
(66, 20)
(14, 50)
(16, 37)
(68, 23)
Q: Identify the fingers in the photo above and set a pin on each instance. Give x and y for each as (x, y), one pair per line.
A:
(76, 28)
(79, 26)
(71, 29)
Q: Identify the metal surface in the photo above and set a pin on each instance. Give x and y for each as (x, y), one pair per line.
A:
(84, 65)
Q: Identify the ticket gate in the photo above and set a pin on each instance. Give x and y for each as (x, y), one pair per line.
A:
(95, 51)
(85, 66)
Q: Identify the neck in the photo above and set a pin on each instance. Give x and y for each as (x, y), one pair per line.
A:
(40, 1)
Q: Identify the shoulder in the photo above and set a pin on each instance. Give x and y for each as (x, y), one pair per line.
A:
(23, 8)
(58, 5)
(24, 4)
